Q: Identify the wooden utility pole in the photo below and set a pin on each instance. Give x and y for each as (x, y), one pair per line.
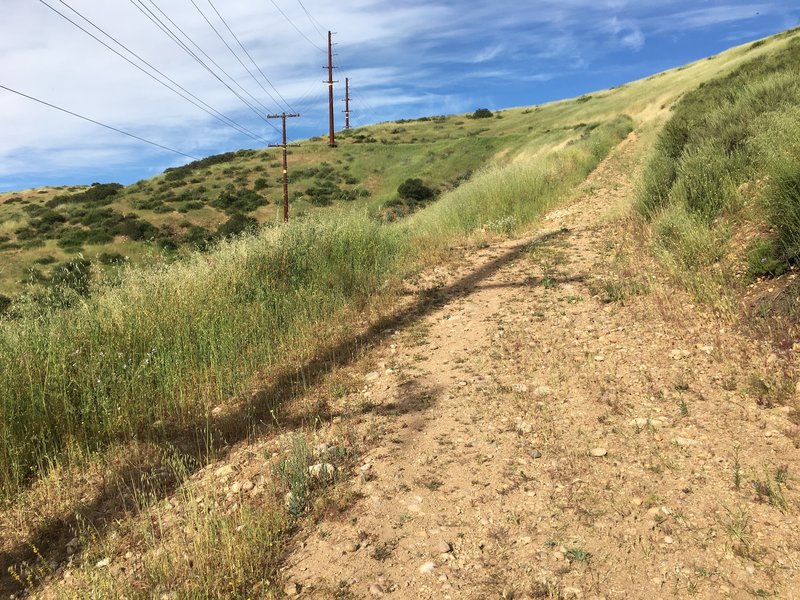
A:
(347, 103)
(284, 145)
(330, 82)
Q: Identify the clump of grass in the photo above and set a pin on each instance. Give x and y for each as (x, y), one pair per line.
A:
(293, 472)
(770, 488)
(738, 527)
(578, 555)
(217, 554)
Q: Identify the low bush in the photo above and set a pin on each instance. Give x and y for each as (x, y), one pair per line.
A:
(198, 237)
(135, 228)
(98, 194)
(234, 201)
(111, 258)
(236, 225)
(482, 113)
(414, 191)
(75, 275)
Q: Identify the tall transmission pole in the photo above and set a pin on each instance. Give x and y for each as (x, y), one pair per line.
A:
(330, 82)
(284, 145)
(347, 103)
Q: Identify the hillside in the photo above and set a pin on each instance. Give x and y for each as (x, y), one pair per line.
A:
(189, 207)
(155, 221)
(570, 374)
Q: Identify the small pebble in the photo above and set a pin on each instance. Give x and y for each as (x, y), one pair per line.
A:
(598, 452)
(376, 590)
(350, 547)
(427, 567)
(292, 589)
(442, 547)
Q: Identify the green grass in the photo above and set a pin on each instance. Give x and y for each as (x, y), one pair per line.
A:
(170, 345)
(729, 155)
(503, 198)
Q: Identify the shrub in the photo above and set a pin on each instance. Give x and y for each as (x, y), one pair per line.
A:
(260, 183)
(414, 190)
(183, 171)
(324, 193)
(72, 238)
(135, 228)
(111, 258)
(763, 259)
(99, 193)
(99, 236)
(237, 224)
(5, 304)
(198, 237)
(167, 244)
(482, 113)
(234, 201)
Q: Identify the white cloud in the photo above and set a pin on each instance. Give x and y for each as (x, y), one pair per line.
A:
(404, 58)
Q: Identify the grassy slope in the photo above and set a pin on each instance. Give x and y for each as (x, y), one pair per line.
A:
(150, 358)
(721, 188)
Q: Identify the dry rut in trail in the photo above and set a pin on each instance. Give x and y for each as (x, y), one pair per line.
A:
(532, 441)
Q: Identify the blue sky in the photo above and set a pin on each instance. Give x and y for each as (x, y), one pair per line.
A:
(405, 58)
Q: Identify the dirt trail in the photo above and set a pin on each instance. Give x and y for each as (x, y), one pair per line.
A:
(531, 441)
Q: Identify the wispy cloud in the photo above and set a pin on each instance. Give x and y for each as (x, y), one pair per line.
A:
(487, 54)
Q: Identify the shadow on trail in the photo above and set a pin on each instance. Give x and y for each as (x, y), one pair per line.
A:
(255, 415)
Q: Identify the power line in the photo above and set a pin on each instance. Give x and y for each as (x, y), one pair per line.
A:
(221, 18)
(217, 114)
(285, 16)
(236, 56)
(183, 93)
(169, 33)
(313, 95)
(312, 20)
(74, 114)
